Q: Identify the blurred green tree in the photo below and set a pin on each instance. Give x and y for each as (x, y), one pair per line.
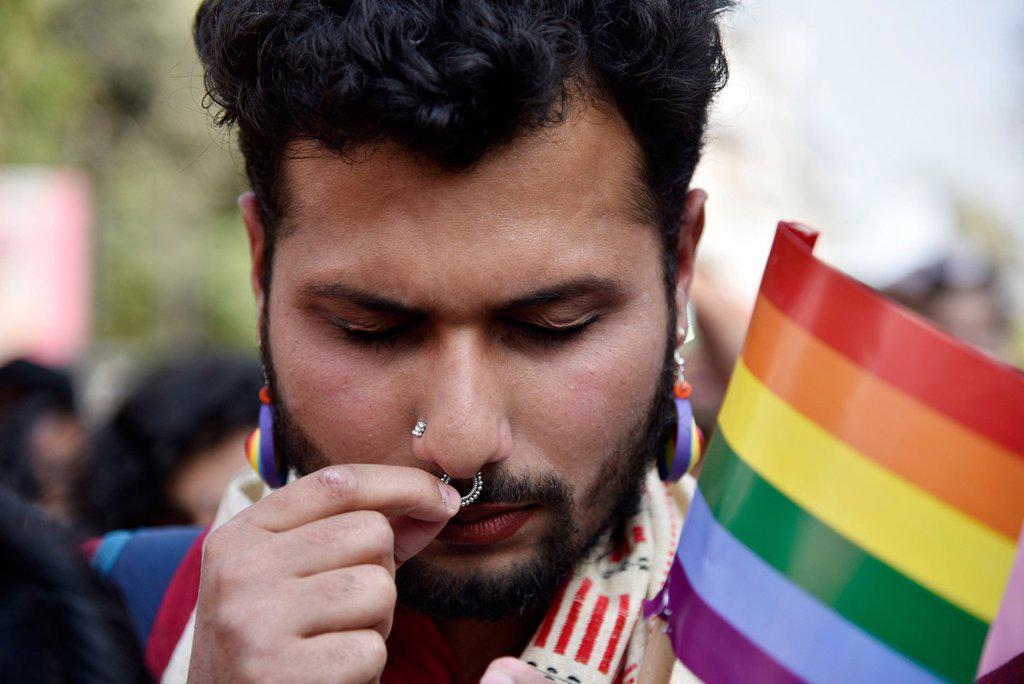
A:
(114, 87)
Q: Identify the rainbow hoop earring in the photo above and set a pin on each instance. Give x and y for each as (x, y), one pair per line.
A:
(259, 446)
(683, 453)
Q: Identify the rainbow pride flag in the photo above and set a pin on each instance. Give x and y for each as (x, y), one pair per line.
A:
(859, 504)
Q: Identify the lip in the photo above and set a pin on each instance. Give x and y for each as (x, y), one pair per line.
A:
(488, 524)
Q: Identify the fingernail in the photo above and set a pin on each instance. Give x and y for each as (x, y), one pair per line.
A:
(450, 496)
(497, 678)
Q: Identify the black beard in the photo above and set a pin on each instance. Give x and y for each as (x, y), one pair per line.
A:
(529, 585)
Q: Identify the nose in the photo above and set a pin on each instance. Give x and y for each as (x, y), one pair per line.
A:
(460, 401)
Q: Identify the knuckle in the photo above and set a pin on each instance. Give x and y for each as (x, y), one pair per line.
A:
(251, 668)
(378, 529)
(217, 543)
(374, 649)
(339, 481)
(227, 576)
(380, 584)
(229, 622)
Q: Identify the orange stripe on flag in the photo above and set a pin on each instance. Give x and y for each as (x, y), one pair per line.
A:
(893, 343)
(914, 441)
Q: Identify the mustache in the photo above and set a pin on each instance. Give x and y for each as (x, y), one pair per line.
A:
(502, 487)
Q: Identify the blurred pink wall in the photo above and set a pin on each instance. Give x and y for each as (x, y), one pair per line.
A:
(45, 263)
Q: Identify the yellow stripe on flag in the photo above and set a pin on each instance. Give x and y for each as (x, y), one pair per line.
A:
(922, 537)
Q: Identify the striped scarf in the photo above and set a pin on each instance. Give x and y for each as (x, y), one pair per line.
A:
(593, 632)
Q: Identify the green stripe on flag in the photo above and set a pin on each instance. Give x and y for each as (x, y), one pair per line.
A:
(865, 591)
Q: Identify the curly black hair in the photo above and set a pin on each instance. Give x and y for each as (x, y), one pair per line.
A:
(453, 80)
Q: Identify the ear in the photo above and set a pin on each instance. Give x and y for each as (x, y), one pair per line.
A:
(690, 229)
(250, 209)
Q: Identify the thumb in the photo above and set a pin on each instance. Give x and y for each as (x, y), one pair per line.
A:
(412, 536)
(512, 671)
(414, 531)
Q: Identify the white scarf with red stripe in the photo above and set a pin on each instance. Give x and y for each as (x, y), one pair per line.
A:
(593, 632)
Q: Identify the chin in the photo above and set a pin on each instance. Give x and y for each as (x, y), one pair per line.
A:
(478, 585)
(493, 581)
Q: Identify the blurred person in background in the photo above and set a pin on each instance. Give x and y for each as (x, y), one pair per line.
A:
(963, 295)
(42, 439)
(59, 623)
(167, 453)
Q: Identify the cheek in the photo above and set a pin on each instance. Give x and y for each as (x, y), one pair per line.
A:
(340, 403)
(578, 414)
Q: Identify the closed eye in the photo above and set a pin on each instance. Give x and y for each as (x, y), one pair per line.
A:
(546, 336)
(374, 339)
(518, 331)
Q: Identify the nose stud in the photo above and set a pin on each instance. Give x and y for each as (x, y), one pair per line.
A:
(473, 494)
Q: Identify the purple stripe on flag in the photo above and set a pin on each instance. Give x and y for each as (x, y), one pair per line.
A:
(795, 628)
(708, 645)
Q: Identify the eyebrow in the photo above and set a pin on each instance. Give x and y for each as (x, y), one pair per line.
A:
(582, 286)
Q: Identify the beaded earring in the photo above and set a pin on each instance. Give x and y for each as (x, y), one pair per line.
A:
(259, 446)
(683, 450)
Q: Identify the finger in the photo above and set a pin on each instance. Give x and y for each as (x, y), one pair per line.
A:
(355, 538)
(412, 536)
(392, 490)
(338, 658)
(360, 597)
(512, 671)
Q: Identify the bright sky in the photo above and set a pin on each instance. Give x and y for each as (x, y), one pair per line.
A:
(865, 119)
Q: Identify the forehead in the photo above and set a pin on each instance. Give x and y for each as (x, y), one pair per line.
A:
(563, 198)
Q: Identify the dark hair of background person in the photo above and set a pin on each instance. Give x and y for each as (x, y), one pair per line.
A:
(28, 392)
(453, 80)
(176, 411)
(59, 622)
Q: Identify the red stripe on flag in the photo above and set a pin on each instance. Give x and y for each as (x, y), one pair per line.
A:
(549, 619)
(574, 614)
(931, 366)
(593, 627)
(613, 642)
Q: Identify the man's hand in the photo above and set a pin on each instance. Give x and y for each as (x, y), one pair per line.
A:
(300, 586)
(512, 671)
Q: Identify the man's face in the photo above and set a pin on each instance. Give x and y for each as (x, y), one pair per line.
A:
(402, 292)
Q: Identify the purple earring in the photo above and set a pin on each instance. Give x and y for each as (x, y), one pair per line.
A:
(259, 446)
(682, 452)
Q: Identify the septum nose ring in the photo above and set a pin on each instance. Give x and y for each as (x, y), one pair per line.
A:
(478, 479)
(473, 494)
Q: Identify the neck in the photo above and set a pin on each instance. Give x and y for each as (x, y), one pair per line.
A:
(476, 643)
